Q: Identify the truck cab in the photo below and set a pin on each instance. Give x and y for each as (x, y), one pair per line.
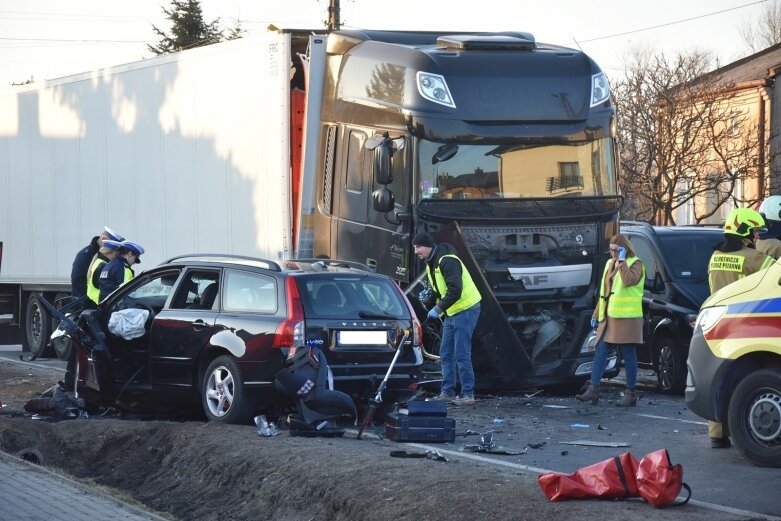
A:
(495, 143)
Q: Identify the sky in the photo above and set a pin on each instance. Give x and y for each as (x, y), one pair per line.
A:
(45, 39)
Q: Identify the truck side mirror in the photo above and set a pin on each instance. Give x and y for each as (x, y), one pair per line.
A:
(382, 163)
(383, 200)
(657, 285)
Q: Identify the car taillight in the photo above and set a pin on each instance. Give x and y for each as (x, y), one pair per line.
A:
(417, 329)
(290, 332)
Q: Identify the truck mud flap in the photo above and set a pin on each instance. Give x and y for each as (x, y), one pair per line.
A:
(494, 335)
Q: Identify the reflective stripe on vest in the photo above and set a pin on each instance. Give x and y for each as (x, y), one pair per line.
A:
(469, 293)
(624, 302)
(93, 291)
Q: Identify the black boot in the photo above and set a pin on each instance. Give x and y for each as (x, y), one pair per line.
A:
(591, 395)
(629, 399)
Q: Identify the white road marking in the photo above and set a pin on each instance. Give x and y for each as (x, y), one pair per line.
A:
(655, 417)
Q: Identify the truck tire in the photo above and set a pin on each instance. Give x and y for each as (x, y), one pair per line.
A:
(37, 326)
(670, 366)
(754, 417)
(222, 393)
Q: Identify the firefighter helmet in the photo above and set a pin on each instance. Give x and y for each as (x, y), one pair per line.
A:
(743, 221)
(771, 208)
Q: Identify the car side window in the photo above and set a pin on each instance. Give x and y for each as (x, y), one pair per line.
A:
(152, 293)
(198, 290)
(645, 251)
(250, 292)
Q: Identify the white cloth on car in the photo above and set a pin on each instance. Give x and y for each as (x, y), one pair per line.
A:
(128, 323)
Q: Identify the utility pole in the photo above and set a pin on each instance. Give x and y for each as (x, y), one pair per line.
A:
(333, 15)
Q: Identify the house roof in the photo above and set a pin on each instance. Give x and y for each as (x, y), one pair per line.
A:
(758, 66)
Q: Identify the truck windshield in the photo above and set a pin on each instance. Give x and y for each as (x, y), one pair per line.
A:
(467, 171)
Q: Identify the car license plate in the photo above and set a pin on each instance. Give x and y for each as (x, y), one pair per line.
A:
(354, 338)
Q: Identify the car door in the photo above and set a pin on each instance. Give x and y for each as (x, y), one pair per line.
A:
(129, 353)
(184, 328)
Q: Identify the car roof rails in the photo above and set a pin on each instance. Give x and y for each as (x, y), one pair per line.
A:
(206, 257)
(332, 263)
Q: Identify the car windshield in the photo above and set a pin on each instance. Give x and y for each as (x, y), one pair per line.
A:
(461, 171)
(353, 297)
(690, 254)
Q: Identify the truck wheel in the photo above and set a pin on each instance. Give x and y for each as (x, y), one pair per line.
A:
(754, 417)
(37, 326)
(222, 393)
(670, 366)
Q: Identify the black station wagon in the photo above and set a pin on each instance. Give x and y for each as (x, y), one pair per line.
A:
(220, 327)
(676, 285)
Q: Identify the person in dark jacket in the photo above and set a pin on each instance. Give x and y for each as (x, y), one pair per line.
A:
(83, 259)
(456, 301)
(118, 270)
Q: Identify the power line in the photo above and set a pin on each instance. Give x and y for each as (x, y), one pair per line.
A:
(671, 23)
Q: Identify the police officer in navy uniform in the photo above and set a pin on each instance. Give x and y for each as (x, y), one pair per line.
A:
(84, 258)
(118, 270)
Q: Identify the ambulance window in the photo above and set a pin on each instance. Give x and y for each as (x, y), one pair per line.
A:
(646, 254)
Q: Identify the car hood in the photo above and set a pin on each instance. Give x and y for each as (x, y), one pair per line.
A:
(739, 287)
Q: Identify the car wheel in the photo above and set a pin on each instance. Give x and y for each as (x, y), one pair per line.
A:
(37, 326)
(223, 394)
(670, 366)
(63, 347)
(755, 417)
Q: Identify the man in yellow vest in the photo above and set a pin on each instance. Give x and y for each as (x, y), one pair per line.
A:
(456, 298)
(734, 259)
(106, 252)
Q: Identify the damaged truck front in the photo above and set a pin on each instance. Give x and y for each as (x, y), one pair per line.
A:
(497, 144)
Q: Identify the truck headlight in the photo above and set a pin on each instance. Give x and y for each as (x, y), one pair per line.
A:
(600, 89)
(708, 317)
(433, 87)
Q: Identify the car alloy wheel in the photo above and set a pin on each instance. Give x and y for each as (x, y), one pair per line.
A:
(223, 392)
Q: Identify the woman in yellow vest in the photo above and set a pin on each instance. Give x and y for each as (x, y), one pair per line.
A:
(618, 318)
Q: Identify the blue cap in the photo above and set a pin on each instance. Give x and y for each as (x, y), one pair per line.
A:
(111, 245)
(114, 236)
(135, 248)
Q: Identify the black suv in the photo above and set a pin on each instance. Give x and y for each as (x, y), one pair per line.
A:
(676, 260)
(220, 327)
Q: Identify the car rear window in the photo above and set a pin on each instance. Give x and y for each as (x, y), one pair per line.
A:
(351, 297)
(689, 254)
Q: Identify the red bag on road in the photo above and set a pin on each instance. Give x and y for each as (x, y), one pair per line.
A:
(610, 479)
(658, 481)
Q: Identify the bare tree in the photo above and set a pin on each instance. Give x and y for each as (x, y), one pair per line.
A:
(763, 31)
(685, 138)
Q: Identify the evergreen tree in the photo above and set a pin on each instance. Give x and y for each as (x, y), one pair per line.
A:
(188, 28)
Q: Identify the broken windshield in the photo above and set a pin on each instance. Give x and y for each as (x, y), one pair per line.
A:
(466, 171)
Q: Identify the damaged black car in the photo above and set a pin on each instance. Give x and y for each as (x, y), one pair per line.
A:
(216, 330)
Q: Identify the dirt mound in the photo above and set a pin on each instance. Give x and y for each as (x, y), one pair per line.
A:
(196, 470)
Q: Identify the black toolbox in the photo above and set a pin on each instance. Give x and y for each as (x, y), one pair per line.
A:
(421, 421)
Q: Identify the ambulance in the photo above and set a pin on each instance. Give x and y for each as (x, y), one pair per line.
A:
(735, 364)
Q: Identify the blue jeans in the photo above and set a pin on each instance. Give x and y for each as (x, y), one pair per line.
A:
(600, 361)
(455, 351)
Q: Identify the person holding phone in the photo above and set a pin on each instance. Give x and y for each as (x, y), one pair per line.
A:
(618, 318)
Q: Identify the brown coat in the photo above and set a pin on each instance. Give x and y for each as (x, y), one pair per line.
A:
(621, 330)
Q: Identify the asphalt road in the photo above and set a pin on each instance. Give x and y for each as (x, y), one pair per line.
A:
(558, 433)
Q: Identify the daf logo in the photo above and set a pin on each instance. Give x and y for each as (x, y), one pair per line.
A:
(534, 280)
